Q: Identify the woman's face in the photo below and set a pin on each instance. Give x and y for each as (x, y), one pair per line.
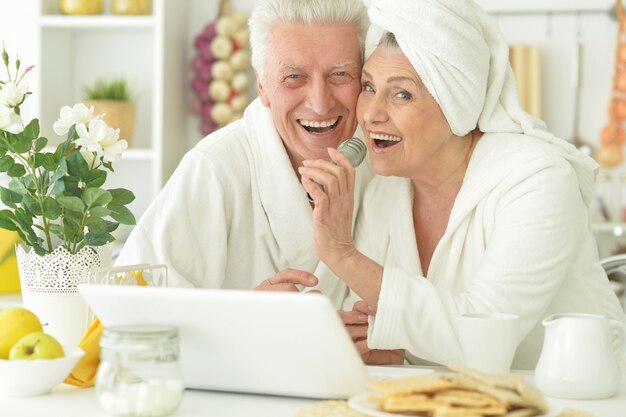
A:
(406, 132)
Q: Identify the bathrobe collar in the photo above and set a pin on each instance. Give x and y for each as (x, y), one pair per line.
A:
(283, 198)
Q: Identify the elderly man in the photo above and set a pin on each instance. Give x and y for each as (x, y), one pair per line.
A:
(234, 214)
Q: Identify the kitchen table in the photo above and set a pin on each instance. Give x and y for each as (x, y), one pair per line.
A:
(68, 401)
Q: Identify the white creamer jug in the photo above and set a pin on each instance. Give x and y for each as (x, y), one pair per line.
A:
(578, 360)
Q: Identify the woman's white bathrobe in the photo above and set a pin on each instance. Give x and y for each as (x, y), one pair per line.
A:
(234, 213)
(518, 241)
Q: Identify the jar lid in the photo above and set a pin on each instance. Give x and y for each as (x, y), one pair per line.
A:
(145, 340)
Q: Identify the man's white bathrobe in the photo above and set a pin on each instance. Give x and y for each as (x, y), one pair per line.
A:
(234, 213)
(518, 241)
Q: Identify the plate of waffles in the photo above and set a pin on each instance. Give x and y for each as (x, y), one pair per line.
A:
(462, 392)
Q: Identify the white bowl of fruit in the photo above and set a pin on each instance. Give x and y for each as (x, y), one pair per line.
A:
(31, 361)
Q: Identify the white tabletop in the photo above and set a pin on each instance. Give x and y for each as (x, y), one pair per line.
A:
(68, 401)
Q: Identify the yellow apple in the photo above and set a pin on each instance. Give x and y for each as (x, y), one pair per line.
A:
(38, 345)
(15, 323)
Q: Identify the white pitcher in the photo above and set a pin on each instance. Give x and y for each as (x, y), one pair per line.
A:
(578, 360)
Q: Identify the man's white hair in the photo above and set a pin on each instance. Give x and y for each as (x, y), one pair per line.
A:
(267, 14)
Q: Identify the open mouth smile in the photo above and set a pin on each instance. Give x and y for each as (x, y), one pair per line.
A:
(384, 141)
(319, 127)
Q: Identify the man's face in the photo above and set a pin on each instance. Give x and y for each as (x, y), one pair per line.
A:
(312, 82)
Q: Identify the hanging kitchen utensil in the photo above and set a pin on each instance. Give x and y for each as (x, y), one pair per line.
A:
(576, 85)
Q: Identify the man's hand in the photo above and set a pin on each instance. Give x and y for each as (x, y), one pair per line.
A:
(378, 356)
(356, 322)
(287, 279)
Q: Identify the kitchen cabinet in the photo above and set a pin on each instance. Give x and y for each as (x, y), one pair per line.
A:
(149, 51)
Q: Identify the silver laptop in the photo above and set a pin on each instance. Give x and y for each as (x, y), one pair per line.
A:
(277, 343)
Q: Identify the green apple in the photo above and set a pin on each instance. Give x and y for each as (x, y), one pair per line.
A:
(38, 345)
(15, 323)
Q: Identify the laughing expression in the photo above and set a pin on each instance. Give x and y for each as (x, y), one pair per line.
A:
(406, 132)
(312, 83)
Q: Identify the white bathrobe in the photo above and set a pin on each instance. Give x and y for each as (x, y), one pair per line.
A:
(234, 213)
(518, 241)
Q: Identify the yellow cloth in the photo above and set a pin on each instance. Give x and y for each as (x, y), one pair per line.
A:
(84, 373)
(9, 277)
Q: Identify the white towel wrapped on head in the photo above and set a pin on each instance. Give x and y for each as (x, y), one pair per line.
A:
(463, 60)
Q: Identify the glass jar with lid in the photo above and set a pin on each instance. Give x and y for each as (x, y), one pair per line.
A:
(139, 374)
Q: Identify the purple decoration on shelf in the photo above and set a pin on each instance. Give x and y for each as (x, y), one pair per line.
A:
(201, 41)
(207, 126)
(205, 111)
(205, 52)
(205, 74)
(210, 31)
(198, 85)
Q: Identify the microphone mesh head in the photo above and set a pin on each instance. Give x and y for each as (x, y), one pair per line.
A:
(354, 150)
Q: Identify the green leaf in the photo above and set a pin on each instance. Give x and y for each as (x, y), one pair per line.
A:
(99, 212)
(52, 209)
(121, 214)
(96, 197)
(98, 239)
(71, 186)
(38, 159)
(16, 170)
(77, 166)
(122, 196)
(32, 205)
(31, 131)
(9, 197)
(71, 203)
(56, 230)
(111, 226)
(60, 171)
(25, 225)
(20, 142)
(96, 178)
(96, 225)
(39, 250)
(16, 185)
(49, 163)
(57, 188)
(40, 144)
(7, 220)
(6, 162)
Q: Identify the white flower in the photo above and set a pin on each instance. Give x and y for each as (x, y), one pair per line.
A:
(90, 136)
(113, 147)
(13, 95)
(69, 116)
(10, 121)
(98, 137)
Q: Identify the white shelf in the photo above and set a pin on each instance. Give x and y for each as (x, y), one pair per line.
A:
(96, 21)
(546, 6)
(137, 154)
(150, 53)
(618, 229)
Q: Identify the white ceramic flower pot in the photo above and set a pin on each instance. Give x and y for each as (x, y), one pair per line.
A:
(50, 288)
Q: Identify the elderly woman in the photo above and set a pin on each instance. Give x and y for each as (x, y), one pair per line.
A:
(477, 207)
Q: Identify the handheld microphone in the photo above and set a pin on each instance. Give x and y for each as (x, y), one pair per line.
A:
(354, 150)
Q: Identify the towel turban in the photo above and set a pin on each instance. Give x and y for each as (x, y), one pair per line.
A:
(462, 59)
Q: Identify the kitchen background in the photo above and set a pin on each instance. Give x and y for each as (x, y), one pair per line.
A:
(564, 52)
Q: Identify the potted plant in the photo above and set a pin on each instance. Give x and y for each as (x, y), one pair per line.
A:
(112, 99)
(55, 201)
